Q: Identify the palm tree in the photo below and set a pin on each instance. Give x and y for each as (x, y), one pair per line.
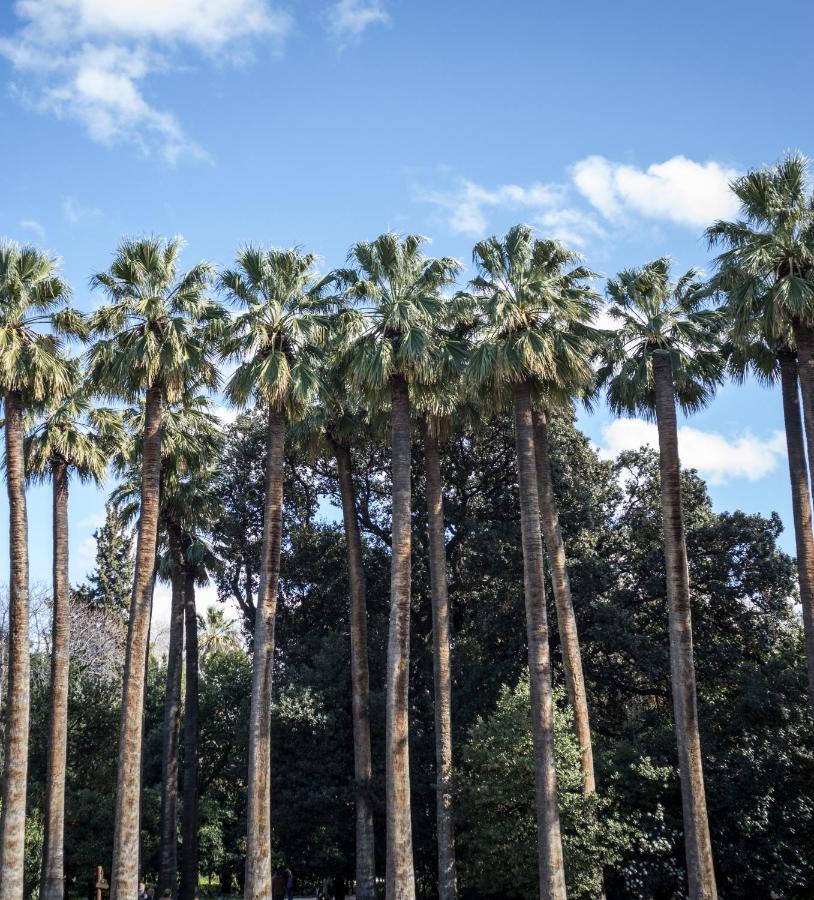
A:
(190, 440)
(215, 632)
(32, 369)
(773, 361)
(152, 338)
(72, 437)
(666, 351)
(400, 292)
(766, 272)
(332, 426)
(274, 337)
(530, 301)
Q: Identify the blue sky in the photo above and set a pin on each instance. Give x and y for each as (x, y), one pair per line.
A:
(615, 127)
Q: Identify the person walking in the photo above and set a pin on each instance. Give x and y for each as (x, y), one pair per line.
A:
(290, 884)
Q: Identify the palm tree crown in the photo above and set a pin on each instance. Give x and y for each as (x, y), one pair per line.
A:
(32, 296)
(767, 268)
(157, 329)
(535, 307)
(398, 304)
(277, 335)
(655, 314)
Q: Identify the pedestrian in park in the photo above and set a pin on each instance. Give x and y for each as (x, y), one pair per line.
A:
(326, 892)
(142, 891)
(278, 885)
(290, 884)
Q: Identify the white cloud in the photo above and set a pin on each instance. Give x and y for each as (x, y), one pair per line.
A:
(717, 458)
(469, 206)
(678, 190)
(87, 60)
(73, 212)
(348, 19)
(34, 226)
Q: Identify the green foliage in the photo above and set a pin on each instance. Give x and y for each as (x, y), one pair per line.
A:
(496, 825)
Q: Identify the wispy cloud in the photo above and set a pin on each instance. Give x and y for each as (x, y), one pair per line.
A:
(718, 458)
(74, 212)
(347, 20)
(596, 195)
(88, 60)
(33, 226)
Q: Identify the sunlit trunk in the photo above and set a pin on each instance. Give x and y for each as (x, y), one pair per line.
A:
(400, 880)
(549, 839)
(125, 869)
(566, 619)
(258, 845)
(442, 675)
(15, 773)
(360, 681)
(700, 869)
(53, 870)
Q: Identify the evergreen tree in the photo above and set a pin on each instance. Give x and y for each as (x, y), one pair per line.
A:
(111, 581)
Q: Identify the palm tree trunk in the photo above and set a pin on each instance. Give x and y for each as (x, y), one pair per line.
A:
(804, 339)
(52, 886)
(189, 818)
(566, 620)
(125, 869)
(258, 848)
(801, 503)
(168, 845)
(700, 869)
(442, 675)
(549, 840)
(12, 817)
(360, 681)
(400, 879)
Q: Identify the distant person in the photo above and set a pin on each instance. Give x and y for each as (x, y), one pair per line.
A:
(327, 889)
(290, 884)
(340, 888)
(150, 893)
(142, 892)
(278, 884)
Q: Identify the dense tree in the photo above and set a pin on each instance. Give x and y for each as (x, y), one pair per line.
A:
(32, 369)
(72, 437)
(391, 345)
(150, 340)
(665, 352)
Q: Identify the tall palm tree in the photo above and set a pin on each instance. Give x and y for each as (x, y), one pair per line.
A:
(532, 295)
(32, 369)
(332, 426)
(190, 441)
(154, 336)
(772, 362)
(665, 352)
(72, 437)
(766, 273)
(274, 337)
(398, 290)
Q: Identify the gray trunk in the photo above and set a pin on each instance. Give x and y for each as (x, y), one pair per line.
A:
(15, 774)
(126, 829)
(700, 869)
(258, 845)
(400, 879)
(549, 839)
(52, 875)
(801, 504)
(360, 681)
(442, 675)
